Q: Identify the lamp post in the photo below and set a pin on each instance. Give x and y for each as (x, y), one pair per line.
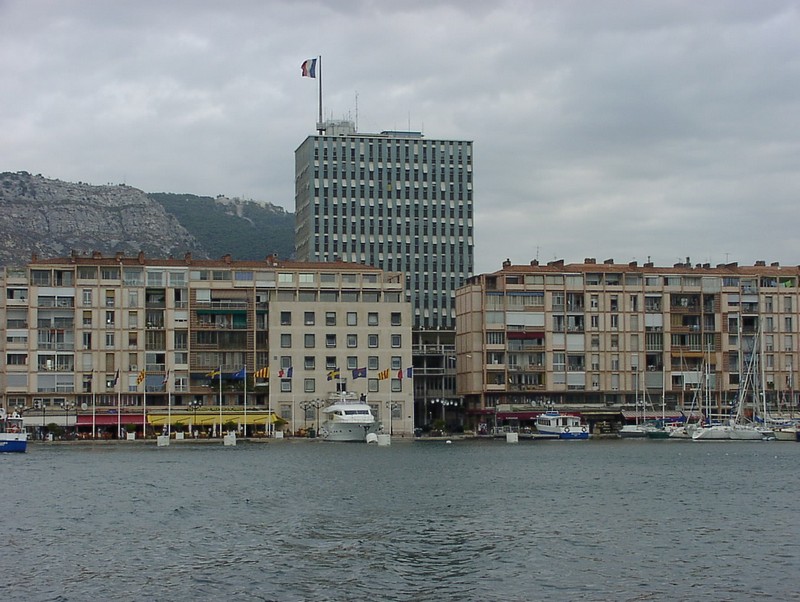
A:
(391, 406)
(308, 404)
(195, 404)
(67, 406)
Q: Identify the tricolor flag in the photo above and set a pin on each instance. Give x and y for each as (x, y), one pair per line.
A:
(359, 373)
(383, 374)
(309, 68)
(263, 373)
(332, 374)
(410, 372)
(140, 378)
(287, 373)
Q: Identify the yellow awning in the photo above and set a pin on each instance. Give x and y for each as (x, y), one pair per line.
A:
(209, 418)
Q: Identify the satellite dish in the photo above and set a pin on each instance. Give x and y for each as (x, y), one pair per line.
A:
(84, 406)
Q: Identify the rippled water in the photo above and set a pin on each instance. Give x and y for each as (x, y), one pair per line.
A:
(303, 520)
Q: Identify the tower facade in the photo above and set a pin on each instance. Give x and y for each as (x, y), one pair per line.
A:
(393, 200)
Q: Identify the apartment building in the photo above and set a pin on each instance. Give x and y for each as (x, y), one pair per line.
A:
(404, 203)
(105, 333)
(624, 336)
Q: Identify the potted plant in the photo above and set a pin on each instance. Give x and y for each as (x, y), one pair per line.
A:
(130, 430)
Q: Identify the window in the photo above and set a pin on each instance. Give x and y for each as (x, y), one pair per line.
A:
(286, 341)
(308, 318)
(352, 362)
(110, 318)
(372, 385)
(308, 341)
(396, 319)
(372, 362)
(352, 318)
(372, 318)
(109, 339)
(309, 362)
(286, 318)
(309, 385)
(330, 318)
(396, 340)
(330, 362)
(330, 340)
(397, 385)
(352, 340)
(286, 385)
(372, 341)
(87, 297)
(397, 362)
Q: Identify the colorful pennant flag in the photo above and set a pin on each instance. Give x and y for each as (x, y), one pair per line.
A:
(262, 373)
(140, 378)
(383, 374)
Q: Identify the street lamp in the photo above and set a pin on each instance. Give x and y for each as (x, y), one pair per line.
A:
(67, 406)
(391, 406)
(195, 404)
(308, 404)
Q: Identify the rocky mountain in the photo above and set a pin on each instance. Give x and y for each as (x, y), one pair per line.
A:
(52, 218)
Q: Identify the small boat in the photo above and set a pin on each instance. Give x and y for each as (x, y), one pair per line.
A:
(633, 431)
(348, 418)
(563, 426)
(787, 433)
(13, 436)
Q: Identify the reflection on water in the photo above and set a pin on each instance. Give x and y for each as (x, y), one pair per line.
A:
(299, 520)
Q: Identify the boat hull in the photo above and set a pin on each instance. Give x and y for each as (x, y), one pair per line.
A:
(787, 434)
(344, 432)
(13, 443)
(727, 433)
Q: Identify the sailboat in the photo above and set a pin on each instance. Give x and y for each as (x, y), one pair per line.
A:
(737, 427)
(660, 430)
(639, 429)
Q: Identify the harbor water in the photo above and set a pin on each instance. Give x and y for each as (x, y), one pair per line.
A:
(471, 520)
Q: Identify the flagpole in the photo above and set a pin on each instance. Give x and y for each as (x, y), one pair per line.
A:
(320, 126)
(119, 409)
(94, 411)
(245, 398)
(169, 409)
(144, 409)
(269, 404)
(220, 400)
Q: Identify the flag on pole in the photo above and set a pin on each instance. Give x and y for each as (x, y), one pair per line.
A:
(262, 373)
(410, 372)
(286, 373)
(213, 374)
(240, 375)
(116, 379)
(309, 68)
(166, 379)
(140, 378)
(332, 374)
(359, 373)
(383, 374)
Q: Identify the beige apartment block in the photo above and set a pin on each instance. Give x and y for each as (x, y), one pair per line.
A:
(89, 334)
(622, 337)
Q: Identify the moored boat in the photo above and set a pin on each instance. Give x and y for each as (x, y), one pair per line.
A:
(348, 418)
(563, 426)
(13, 436)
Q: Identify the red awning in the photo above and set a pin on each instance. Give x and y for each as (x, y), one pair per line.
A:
(516, 334)
(110, 419)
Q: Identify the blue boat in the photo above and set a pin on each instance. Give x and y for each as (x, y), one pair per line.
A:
(13, 436)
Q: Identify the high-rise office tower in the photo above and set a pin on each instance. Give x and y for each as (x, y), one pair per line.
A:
(393, 200)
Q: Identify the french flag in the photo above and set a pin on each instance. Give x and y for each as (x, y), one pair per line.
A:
(309, 68)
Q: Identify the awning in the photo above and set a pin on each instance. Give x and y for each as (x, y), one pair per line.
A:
(210, 418)
(110, 419)
(517, 415)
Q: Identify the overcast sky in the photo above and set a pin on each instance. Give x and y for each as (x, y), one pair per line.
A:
(610, 129)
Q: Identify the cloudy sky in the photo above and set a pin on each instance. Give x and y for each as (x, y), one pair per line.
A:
(610, 129)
